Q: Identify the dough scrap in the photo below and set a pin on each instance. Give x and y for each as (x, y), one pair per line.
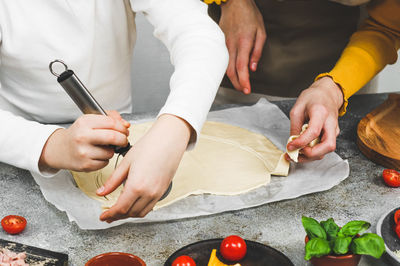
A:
(294, 155)
(227, 160)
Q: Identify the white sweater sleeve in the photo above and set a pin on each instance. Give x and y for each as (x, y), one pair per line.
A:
(22, 141)
(197, 50)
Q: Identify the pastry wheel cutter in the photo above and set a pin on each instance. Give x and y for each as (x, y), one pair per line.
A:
(85, 101)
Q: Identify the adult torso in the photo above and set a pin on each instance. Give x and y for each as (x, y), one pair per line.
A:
(304, 38)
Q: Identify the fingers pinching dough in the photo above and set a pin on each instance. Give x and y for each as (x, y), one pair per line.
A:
(294, 155)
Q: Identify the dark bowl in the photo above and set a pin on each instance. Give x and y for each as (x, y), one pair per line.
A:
(385, 228)
(115, 259)
(331, 260)
(257, 254)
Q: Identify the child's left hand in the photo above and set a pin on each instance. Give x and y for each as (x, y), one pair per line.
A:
(148, 169)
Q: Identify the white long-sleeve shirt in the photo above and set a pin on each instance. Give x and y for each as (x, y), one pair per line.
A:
(96, 38)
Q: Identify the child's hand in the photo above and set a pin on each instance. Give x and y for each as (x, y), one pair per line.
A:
(148, 169)
(85, 145)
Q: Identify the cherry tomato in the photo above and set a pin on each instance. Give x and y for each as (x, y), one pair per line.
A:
(233, 248)
(391, 177)
(183, 261)
(13, 224)
(397, 216)
(397, 230)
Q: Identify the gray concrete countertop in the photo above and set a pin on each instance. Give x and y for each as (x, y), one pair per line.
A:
(362, 195)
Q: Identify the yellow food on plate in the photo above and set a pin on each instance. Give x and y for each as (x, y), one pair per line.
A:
(214, 261)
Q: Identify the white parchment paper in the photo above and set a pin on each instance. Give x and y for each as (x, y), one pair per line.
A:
(264, 118)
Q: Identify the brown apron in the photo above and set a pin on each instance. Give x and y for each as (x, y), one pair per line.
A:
(304, 38)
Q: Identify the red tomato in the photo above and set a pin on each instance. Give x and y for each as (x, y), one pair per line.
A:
(397, 230)
(233, 248)
(13, 224)
(391, 177)
(397, 216)
(184, 261)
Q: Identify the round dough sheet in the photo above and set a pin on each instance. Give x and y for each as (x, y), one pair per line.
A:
(227, 160)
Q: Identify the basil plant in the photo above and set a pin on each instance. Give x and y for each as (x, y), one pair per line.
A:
(327, 238)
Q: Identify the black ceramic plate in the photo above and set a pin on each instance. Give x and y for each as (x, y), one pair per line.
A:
(36, 256)
(257, 254)
(385, 230)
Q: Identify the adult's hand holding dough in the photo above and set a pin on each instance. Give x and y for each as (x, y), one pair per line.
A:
(227, 160)
(319, 105)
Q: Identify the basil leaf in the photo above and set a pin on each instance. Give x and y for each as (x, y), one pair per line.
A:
(331, 228)
(368, 244)
(317, 247)
(353, 228)
(341, 245)
(313, 228)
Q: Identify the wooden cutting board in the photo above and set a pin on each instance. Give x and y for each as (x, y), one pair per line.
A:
(378, 133)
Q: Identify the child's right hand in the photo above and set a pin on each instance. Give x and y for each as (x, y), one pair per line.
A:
(85, 145)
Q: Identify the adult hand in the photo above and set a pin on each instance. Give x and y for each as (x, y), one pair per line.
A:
(85, 145)
(245, 35)
(148, 169)
(319, 105)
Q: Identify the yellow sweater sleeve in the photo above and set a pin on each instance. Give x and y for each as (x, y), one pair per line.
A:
(370, 49)
(218, 2)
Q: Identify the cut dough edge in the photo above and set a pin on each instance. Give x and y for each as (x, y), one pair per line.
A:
(252, 143)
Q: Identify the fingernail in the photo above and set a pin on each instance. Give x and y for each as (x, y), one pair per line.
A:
(246, 91)
(126, 123)
(100, 190)
(254, 66)
(290, 147)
